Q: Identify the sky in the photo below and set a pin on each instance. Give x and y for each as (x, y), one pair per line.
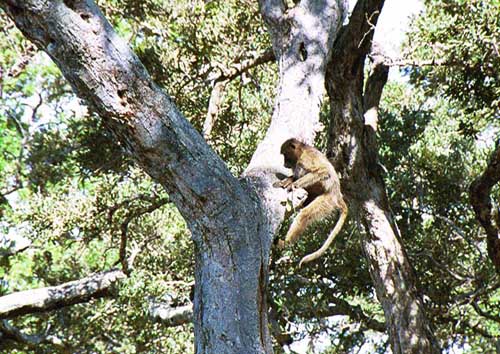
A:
(394, 22)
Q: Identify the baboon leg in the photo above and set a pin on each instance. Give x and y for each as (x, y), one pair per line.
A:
(317, 209)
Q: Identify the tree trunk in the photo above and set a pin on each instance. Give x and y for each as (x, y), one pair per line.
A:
(230, 231)
(479, 194)
(302, 40)
(354, 152)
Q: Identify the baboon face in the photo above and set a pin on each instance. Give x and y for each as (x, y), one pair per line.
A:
(290, 151)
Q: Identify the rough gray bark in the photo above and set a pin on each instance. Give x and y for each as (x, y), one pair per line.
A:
(354, 152)
(230, 232)
(55, 297)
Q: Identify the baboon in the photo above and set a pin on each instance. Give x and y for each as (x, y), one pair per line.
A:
(313, 172)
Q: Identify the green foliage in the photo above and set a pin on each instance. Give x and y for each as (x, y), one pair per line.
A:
(430, 164)
(464, 37)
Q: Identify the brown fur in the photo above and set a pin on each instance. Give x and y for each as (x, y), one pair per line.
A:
(313, 172)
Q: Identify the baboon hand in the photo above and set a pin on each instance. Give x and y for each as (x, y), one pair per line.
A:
(284, 183)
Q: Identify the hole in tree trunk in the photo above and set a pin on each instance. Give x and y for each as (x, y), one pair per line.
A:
(302, 51)
(85, 16)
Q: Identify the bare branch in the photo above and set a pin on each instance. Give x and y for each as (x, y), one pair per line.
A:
(54, 297)
(220, 82)
(487, 315)
(25, 58)
(213, 108)
(171, 316)
(403, 62)
(237, 69)
(457, 230)
(339, 306)
(13, 249)
(7, 331)
(124, 231)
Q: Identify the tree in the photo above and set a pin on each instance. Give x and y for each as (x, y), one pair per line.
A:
(232, 222)
(466, 38)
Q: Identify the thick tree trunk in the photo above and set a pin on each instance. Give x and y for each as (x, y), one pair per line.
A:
(229, 228)
(354, 152)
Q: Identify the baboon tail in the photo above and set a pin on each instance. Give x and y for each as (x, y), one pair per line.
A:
(329, 240)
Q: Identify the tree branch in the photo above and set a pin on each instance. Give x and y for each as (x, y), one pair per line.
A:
(213, 108)
(484, 314)
(110, 77)
(133, 214)
(220, 82)
(338, 306)
(231, 232)
(479, 194)
(11, 248)
(7, 331)
(171, 316)
(356, 313)
(373, 89)
(402, 62)
(237, 69)
(356, 38)
(55, 297)
(24, 59)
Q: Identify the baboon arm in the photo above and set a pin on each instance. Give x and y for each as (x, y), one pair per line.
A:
(329, 240)
(311, 178)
